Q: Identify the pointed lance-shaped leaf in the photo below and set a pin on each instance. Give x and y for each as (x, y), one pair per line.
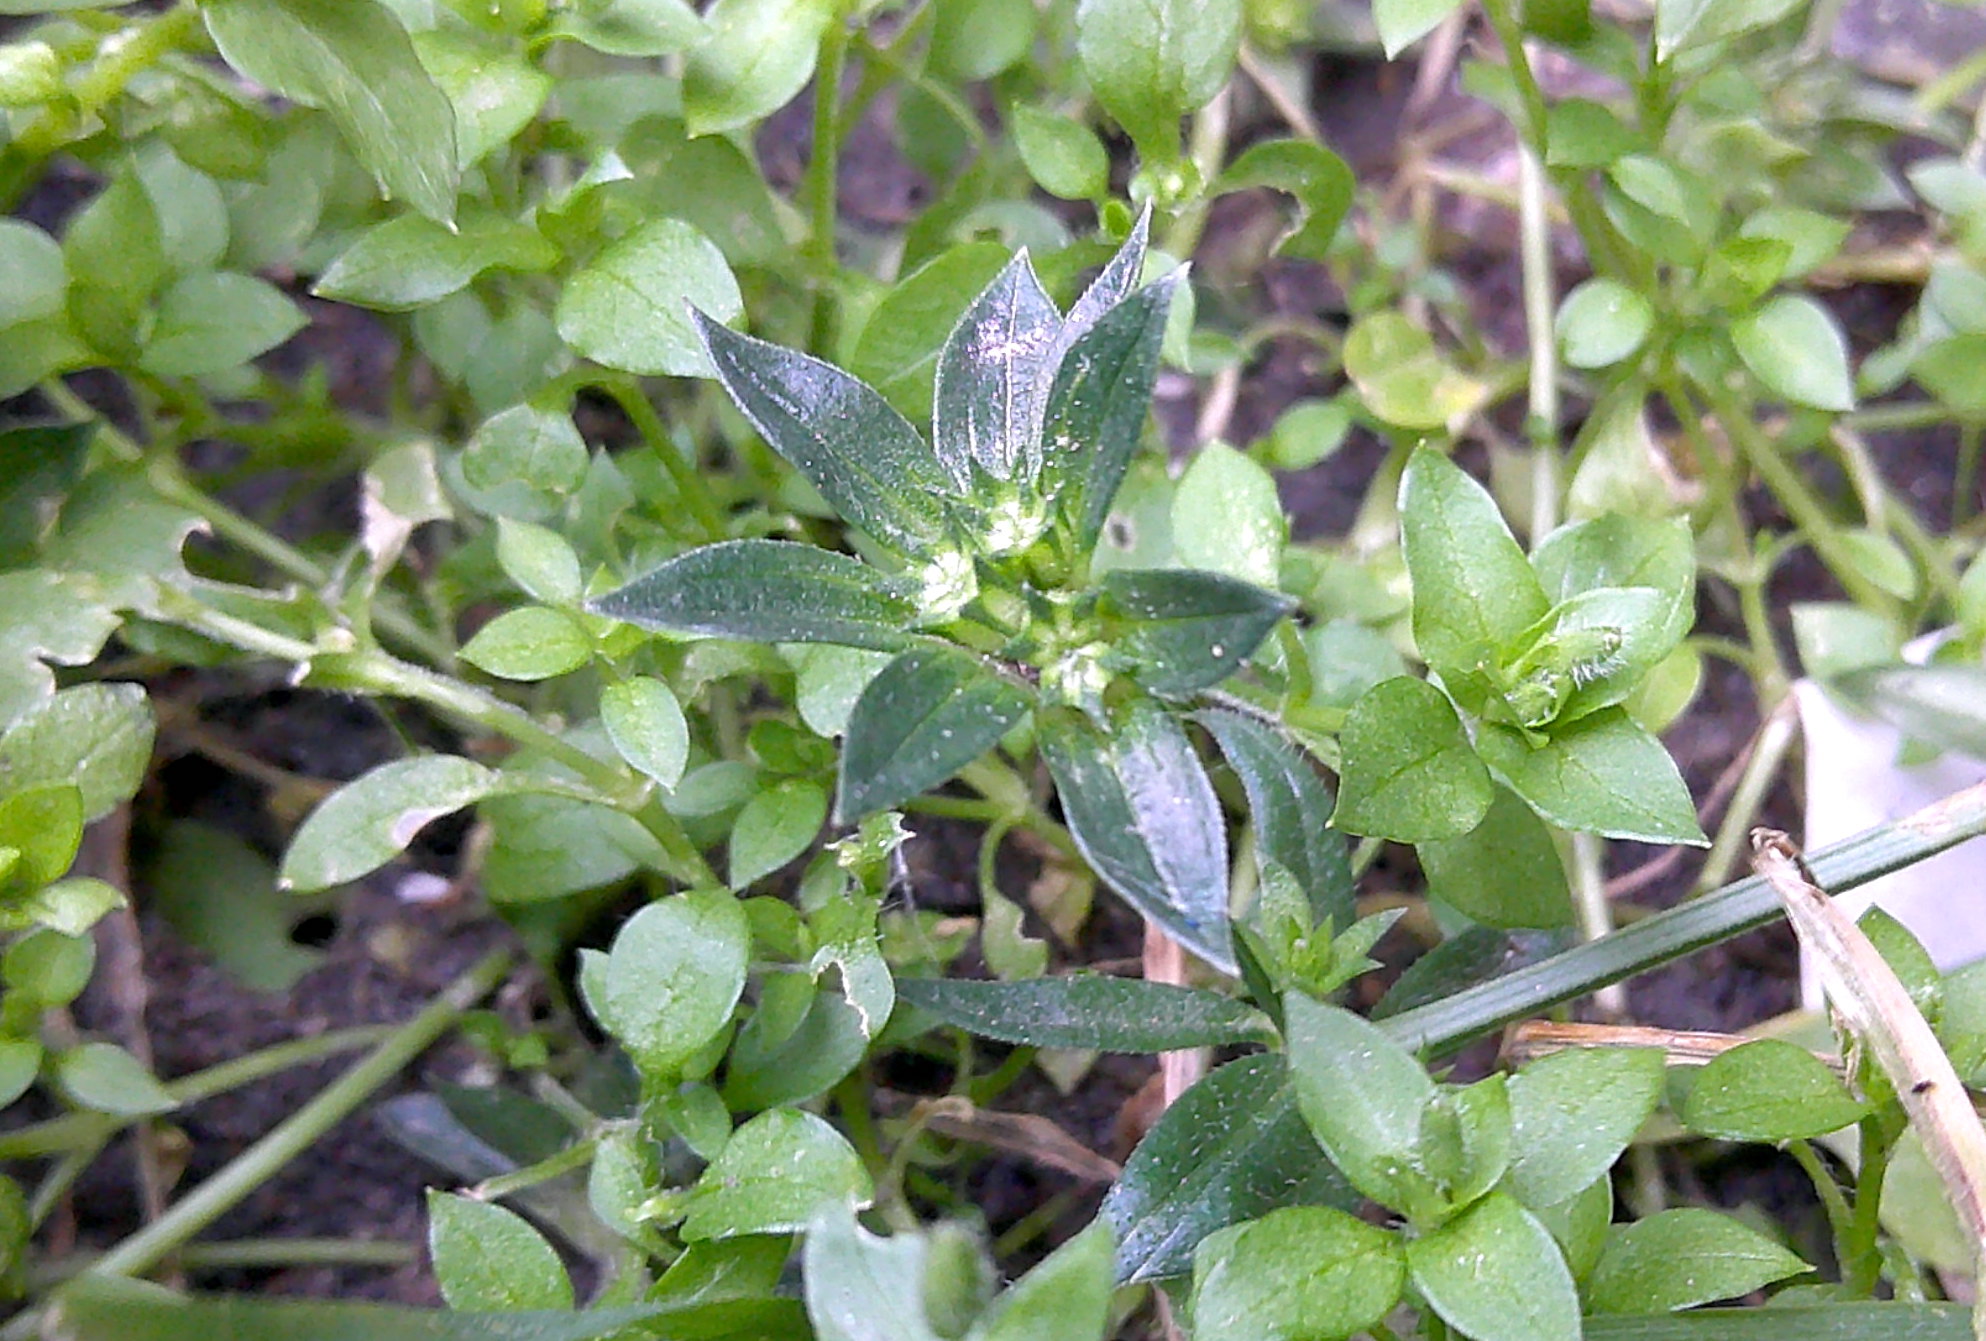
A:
(864, 457)
(925, 716)
(1098, 403)
(993, 376)
(1291, 808)
(767, 591)
(1184, 630)
(1144, 815)
(1113, 284)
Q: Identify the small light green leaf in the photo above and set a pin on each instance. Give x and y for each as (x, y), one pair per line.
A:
(925, 716)
(1683, 24)
(49, 968)
(73, 906)
(672, 978)
(538, 560)
(550, 846)
(1404, 378)
(97, 737)
(1495, 1274)
(1681, 1258)
(1505, 872)
(776, 1174)
(864, 458)
(490, 1260)
(1151, 62)
(30, 73)
(1792, 345)
(775, 827)
(1363, 1096)
(1409, 772)
(829, 681)
(767, 591)
(494, 90)
(353, 59)
(1303, 1273)
(534, 643)
(862, 1287)
(1232, 1147)
(20, 1063)
(1227, 517)
(33, 276)
(1811, 238)
(629, 307)
(533, 444)
(1066, 1297)
(369, 821)
(106, 1079)
(1948, 369)
(1064, 157)
(1474, 591)
(1603, 774)
(1144, 815)
(1573, 1113)
(411, 261)
(849, 943)
(219, 895)
(647, 727)
(1401, 23)
(1602, 322)
(1319, 180)
(758, 55)
(1092, 1011)
(1290, 806)
(632, 27)
(1769, 1090)
(1624, 551)
(1309, 432)
(979, 40)
(42, 825)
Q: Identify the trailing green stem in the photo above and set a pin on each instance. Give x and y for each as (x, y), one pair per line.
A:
(290, 1138)
(690, 484)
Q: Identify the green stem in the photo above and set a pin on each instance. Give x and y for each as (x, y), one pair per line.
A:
(1809, 514)
(256, 1165)
(1840, 1218)
(1862, 1262)
(1440, 1027)
(575, 1156)
(690, 484)
(823, 169)
(86, 1131)
(239, 1254)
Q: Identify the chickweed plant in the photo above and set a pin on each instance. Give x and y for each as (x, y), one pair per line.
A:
(716, 540)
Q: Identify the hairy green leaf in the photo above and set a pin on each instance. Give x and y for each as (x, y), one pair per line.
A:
(766, 591)
(1088, 1011)
(923, 717)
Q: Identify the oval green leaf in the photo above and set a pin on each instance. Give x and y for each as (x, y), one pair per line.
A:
(629, 307)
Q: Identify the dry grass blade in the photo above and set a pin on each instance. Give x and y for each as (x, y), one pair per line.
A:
(1867, 997)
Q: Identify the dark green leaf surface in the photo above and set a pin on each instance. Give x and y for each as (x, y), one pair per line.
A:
(1505, 872)
(1681, 1258)
(1151, 62)
(1185, 630)
(1142, 811)
(411, 261)
(1232, 1147)
(489, 1259)
(1408, 772)
(1495, 1274)
(1474, 591)
(925, 716)
(864, 457)
(1769, 1090)
(1088, 1011)
(353, 59)
(212, 321)
(1098, 404)
(1290, 805)
(1836, 1322)
(766, 591)
(1573, 1113)
(775, 1174)
(1362, 1094)
(897, 352)
(1298, 1273)
(630, 307)
(992, 379)
(672, 977)
(1603, 774)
